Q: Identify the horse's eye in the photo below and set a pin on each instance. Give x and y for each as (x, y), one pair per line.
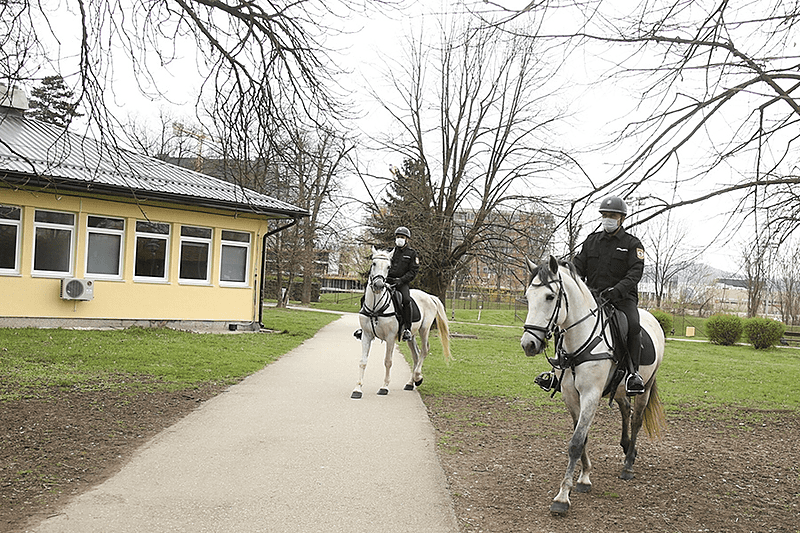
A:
(550, 297)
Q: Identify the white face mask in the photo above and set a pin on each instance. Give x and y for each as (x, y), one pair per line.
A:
(610, 224)
(400, 241)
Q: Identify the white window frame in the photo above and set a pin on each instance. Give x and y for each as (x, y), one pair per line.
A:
(18, 225)
(106, 231)
(155, 236)
(54, 226)
(193, 239)
(235, 244)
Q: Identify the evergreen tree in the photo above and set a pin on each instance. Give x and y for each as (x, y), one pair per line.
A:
(53, 102)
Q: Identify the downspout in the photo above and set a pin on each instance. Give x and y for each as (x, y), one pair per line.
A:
(263, 265)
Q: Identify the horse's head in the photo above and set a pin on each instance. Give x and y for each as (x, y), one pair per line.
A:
(546, 309)
(379, 271)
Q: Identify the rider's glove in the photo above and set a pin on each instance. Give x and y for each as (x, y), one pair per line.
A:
(391, 281)
(611, 294)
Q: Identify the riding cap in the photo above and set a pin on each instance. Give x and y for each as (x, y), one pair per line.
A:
(614, 204)
(402, 230)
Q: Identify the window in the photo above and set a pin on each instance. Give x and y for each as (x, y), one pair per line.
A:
(10, 231)
(52, 244)
(152, 250)
(195, 254)
(104, 246)
(235, 258)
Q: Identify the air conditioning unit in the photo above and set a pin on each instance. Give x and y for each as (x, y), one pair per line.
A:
(77, 289)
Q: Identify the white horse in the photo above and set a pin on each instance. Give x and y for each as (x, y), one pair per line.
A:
(563, 304)
(378, 321)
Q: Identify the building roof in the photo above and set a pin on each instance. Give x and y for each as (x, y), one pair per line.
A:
(38, 154)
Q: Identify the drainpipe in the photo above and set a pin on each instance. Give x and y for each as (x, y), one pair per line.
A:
(263, 264)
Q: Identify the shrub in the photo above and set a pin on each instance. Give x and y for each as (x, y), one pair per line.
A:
(724, 329)
(664, 318)
(763, 333)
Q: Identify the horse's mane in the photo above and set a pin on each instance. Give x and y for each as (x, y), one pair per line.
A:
(546, 276)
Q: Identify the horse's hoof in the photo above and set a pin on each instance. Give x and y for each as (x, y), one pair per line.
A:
(408, 386)
(356, 395)
(383, 391)
(559, 508)
(627, 475)
(418, 383)
(583, 487)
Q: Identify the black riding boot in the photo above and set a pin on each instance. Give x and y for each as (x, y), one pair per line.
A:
(406, 336)
(634, 384)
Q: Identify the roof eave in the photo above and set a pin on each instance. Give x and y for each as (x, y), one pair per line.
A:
(44, 183)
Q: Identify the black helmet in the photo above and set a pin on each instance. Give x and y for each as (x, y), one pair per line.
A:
(614, 204)
(402, 230)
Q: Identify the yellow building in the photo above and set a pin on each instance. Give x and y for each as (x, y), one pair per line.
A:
(91, 235)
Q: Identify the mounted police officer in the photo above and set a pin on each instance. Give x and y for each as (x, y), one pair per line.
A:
(402, 270)
(612, 262)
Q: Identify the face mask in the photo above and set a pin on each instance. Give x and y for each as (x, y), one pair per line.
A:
(610, 224)
(400, 241)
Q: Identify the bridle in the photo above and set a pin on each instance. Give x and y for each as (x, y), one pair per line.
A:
(548, 330)
(552, 327)
(379, 307)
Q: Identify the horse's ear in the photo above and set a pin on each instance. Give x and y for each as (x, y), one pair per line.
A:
(553, 265)
(374, 250)
(531, 265)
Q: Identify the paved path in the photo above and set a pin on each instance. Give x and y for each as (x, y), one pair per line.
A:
(286, 450)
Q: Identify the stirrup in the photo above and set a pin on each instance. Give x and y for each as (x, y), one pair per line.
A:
(547, 381)
(357, 334)
(634, 384)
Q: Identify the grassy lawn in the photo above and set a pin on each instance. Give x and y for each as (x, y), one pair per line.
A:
(31, 359)
(694, 374)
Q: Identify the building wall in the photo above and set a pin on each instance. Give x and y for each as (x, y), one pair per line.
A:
(26, 294)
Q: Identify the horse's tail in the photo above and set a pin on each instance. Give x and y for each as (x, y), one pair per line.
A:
(443, 325)
(654, 419)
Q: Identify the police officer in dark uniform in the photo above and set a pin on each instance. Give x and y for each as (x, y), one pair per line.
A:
(612, 262)
(403, 269)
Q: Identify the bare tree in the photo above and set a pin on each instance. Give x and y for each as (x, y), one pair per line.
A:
(788, 284)
(668, 255)
(472, 113)
(718, 89)
(249, 56)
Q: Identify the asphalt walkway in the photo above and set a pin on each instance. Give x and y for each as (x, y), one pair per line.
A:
(285, 450)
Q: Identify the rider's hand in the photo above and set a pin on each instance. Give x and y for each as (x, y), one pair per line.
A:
(611, 294)
(391, 281)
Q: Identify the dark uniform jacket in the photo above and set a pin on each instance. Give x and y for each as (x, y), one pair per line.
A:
(405, 264)
(612, 260)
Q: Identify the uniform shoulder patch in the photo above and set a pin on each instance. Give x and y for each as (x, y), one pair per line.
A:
(640, 253)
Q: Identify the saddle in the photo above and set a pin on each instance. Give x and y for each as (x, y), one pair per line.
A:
(619, 336)
(397, 299)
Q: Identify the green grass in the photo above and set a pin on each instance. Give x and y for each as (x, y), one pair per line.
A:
(31, 359)
(694, 374)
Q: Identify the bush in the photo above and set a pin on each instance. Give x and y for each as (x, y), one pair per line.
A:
(665, 319)
(724, 329)
(763, 333)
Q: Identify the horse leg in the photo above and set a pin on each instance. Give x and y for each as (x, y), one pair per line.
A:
(418, 354)
(366, 342)
(587, 405)
(625, 412)
(387, 362)
(639, 405)
(416, 365)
